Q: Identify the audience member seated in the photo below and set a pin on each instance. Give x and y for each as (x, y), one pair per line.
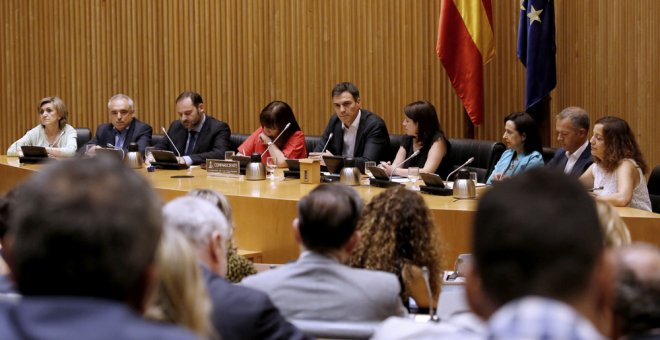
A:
(181, 297)
(196, 135)
(523, 142)
(6, 285)
(574, 154)
(319, 286)
(238, 312)
(424, 135)
(356, 132)
(614, 228)
(238, 267)
(541, 272)
(399, 236)
(123, 128)
(291, 144)
(637, 308)
(83, 259)
(617, 175)
(53, 132)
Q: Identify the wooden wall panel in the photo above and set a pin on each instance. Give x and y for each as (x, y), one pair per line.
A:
(242, 54)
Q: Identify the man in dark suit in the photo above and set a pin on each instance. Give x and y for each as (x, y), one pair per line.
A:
(238, 312)
(574, 154)
(123, 128)
(196, 135)
(82, 255)
(356, 132)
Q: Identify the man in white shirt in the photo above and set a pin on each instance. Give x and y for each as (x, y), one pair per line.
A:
(574, 154)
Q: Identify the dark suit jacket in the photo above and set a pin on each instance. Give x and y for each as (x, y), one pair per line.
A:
(559, 160)
(372, 142)
(138, 132)
(243, 313)
(212, 141)
(66, 317)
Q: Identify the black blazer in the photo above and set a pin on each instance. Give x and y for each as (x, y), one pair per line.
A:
(244, 313)
(372, 142)
(212, 141)
(138, 132)
(559, 161)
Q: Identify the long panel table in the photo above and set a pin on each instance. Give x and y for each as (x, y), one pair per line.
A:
(264, 210)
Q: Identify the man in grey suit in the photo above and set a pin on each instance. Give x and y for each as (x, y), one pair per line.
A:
(574, 155)
(319, 286)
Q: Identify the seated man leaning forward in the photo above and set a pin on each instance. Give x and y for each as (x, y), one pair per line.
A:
(122, 130)
(196, 135)
(319, 286)
(355, 132)
(83, 260)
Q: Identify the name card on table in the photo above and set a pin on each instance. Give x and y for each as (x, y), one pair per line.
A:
(223, 168)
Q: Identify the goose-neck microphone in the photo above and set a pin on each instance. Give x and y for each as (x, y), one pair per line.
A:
(171, 142)
(276, 138)
(460, 167)
(328, 142)
(427, 283)
(402, 163)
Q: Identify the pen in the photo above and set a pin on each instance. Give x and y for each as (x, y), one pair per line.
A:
(595, 189)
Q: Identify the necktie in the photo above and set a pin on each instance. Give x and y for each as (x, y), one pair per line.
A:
(192, 138)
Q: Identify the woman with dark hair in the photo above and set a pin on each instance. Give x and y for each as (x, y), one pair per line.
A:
(524, 150)
(58, 137)
(423, 134)
(274, 118)
(617, 174)
(399, 236)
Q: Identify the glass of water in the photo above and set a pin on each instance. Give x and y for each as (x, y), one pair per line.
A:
(368, 165)
(229, 155)
(413, 176)
(270, 166)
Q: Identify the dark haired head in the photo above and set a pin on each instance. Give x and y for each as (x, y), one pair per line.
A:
(423, 113)
(88, 227)
(195, 97)
(276, 115)
(526, 126)
(327, 217)
(346, 87)
(620, 143)
(536, 234)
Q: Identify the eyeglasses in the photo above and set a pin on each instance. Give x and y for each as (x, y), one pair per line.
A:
(121, 113)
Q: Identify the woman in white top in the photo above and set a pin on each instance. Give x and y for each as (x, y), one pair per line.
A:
(617, 174)
(54, 133)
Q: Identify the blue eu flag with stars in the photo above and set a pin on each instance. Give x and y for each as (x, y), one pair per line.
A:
(537, 49)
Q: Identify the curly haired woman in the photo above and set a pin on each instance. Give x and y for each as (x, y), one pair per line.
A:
(398, 236)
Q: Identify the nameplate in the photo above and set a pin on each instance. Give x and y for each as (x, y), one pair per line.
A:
(223, 168)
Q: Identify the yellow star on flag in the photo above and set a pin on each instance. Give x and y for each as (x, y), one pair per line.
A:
(534, 15)
(522, 5)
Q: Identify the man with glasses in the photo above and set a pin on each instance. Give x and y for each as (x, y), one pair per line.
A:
(122, 130)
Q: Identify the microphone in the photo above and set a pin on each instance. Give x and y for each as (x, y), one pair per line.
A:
(328, 142)
(276, 138)
(170, 139)
(110, 146)
(404, 162)
(427, 283)
(460, 167)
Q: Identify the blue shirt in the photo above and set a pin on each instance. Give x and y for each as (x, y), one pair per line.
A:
(508, 168)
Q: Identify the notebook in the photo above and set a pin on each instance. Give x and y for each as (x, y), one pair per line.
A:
(166, 160)
(33, 154)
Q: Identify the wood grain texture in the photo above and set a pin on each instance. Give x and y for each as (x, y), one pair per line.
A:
(242, 54)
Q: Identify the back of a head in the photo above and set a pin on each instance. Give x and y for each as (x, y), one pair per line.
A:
(88, 227)
(327, 217)
(536, 234)
(614, 228)
(196, 218)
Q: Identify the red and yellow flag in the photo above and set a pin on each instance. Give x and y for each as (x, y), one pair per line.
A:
(465, 43)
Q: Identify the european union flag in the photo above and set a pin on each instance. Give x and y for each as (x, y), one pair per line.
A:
(537, 49)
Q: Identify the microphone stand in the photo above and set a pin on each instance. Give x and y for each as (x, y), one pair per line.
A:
(170, 139)
(402, 163)
(459, 168)
(276, 138)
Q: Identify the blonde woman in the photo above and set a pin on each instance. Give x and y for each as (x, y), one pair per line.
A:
(614, 228)
(53, 133)
(181, 297)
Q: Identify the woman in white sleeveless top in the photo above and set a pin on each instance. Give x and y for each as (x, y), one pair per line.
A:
(617, 174)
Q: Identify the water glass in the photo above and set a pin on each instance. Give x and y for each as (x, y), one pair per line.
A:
(368, 165)
(229, 155)
(270, 166)
(413, 176)
(473, 176)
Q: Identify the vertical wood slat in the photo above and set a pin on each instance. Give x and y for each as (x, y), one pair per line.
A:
(242, 54)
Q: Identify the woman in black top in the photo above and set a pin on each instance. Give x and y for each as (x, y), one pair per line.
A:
(423, 133)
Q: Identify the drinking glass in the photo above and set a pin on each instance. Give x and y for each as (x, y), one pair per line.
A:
(148, 157)
(270, 166)
(367, 165)
(473, 176)
(413, 176)
(229, 155)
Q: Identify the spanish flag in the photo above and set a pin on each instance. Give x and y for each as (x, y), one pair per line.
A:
(465, 43)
